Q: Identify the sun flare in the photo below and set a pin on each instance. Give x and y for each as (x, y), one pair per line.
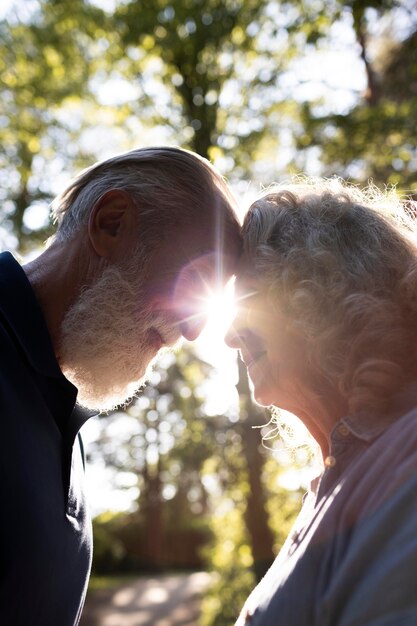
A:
(219, 310)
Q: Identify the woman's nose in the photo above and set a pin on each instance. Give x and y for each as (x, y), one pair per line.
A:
(231, 338)
(236, 333)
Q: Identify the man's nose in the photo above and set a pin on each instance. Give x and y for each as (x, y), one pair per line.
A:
(192, 328)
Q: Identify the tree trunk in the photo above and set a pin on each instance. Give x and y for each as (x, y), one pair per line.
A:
(152, 504)
(372, 92)
(256, 516)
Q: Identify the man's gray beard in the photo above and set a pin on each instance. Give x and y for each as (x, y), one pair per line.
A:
(106, 340)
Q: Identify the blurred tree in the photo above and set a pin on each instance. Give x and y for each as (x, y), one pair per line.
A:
(256, 516)
(203, 73)
(162, 442)
(47, 54)
(237, 553)
(211, 70)
(218, 77)
(377, 137)
(110, 554)
(166, 441)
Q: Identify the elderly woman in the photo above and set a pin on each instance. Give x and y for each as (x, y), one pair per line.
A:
(327, 326)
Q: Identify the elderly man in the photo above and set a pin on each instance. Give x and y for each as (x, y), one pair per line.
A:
(141, 238)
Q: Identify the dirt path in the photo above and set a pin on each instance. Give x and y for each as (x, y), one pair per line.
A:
(157, 601)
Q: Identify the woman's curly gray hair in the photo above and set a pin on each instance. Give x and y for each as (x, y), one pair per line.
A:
(342, 265)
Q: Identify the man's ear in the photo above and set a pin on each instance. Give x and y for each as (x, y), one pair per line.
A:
(111, 223)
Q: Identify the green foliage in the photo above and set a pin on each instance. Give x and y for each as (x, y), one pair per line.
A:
(283, 504)
(376, 139)
(231, 559)
(110, 555)
(231, 553)
(370, 143)
(218, 66)
(200, 44)
(199, 478)
(121, 543)
(162, 439)
(162, 442)
(46, 59)
(205, 74)
(109, 582)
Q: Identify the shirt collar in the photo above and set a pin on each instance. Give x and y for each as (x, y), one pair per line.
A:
(367, 426)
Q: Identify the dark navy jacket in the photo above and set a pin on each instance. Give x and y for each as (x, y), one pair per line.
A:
(45, 529)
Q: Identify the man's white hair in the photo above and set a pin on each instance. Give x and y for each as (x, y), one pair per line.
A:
(169, 186)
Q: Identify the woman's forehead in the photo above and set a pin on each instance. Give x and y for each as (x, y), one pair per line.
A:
(246, 282)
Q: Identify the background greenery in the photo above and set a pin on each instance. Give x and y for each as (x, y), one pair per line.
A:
(264, 89)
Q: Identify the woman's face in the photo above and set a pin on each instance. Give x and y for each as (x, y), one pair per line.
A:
(273, 351)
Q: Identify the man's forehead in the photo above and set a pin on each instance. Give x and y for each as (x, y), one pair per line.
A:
(221, 251)
(215, 265)
(191, 258)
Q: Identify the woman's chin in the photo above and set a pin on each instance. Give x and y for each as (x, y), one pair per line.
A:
(262, 397)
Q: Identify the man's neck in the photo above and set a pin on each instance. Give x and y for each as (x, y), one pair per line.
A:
(57, 277)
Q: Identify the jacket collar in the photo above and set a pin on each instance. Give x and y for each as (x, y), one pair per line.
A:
(21, 310)
(23, 315)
